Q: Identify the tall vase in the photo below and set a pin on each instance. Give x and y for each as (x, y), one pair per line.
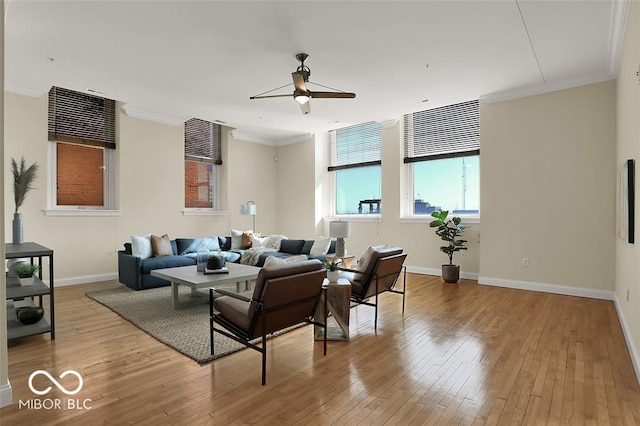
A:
(18, 236)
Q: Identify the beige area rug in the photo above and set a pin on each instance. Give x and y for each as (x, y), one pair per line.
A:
(185, 329)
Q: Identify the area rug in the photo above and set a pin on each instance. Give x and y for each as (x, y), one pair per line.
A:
(185, 329)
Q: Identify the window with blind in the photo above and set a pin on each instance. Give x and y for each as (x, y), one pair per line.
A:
(355, 160)
(442, 153)
(202, 152)
(81, 132)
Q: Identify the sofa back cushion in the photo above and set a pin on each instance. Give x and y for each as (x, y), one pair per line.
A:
(225, 243)
(291, 246)
(191, 245)
(127, 248)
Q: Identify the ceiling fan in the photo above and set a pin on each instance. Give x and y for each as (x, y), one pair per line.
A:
(301, 94)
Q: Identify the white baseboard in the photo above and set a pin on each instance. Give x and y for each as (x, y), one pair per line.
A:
(549, 288)
(438, 272)
(86, 279)
(6, 395)
(633, 351)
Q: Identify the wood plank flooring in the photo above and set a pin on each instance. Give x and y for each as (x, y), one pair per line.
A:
(462, 354)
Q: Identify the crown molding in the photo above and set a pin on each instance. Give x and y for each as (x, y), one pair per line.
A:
(250, 137)
(540, 89)
(151, 116)
(619, 17)
(20, 89)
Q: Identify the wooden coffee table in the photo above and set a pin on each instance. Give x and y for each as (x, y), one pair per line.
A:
(190, 277)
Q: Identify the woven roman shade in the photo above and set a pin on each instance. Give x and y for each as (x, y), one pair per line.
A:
(81, 118)
(444, 132)
(355, 146)
(202, 141)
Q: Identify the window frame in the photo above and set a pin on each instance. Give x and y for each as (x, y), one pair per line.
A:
(109, 208)
(215, 161)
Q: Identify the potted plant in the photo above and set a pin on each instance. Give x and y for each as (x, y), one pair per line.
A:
(332, 266)
(449, 230)
(25, 272)
(216, 261)
(23, 178)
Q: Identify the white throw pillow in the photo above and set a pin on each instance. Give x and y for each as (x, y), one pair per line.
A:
(141, 246)
(274, 241)
(258, 242)
(364, 260)
(320, 246)
(236, 238)
(272, 260)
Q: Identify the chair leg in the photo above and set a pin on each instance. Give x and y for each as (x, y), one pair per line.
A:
(211, 335)
(375, 315)
(264, 359)
(404, 286)
(326, 316)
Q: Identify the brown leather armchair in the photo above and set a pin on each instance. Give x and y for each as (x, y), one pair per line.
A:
(284, 295)
(381, 274)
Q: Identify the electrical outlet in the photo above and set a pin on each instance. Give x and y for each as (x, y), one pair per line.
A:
(525, 261)
(627, 295)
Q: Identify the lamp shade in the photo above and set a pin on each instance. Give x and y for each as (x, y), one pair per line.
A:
(340, 229)
(250, 209)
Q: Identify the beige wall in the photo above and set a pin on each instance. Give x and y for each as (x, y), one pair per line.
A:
(628, 125)
(548, 188)
(150, 177)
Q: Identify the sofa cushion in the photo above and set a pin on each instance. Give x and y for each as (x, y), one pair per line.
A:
(161, 246)
(151, 263)
(225, 243)
(291, 246)
(306, 248)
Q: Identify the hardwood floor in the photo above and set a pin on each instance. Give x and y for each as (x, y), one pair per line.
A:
(462, 354)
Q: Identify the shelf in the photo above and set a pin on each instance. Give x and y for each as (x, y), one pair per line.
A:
(17, 329)
(17, 291)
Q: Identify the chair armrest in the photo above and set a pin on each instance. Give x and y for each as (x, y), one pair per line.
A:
(238, 296)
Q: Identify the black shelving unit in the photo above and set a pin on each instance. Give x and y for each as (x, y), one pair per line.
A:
(19, 294)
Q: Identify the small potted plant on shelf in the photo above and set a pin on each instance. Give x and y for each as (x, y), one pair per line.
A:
(449, 230)
(25, 272)
(332, 267)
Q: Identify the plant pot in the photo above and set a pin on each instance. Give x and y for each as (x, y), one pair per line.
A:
(30, 314)
(216, 263)
(26, 281)
(333, 276)
(451, 273)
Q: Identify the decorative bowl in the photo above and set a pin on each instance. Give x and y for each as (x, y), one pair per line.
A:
(30, 314)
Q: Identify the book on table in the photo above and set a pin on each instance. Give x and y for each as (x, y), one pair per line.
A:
(223, 270)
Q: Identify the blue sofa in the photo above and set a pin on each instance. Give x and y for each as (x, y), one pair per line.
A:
(135, 272)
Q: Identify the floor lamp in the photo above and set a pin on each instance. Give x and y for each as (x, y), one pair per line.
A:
(340, 230)
(252, 210)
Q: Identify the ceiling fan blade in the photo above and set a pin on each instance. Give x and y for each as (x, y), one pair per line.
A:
(271, 96)
(335, 95)
(298, 81)
(306, 108)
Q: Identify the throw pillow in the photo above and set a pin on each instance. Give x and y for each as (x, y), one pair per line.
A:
(246, 241)
(275, 241)
(272, 260)
(212, 244)
(258, 242)
(161, 246)
(320, 246)
(236, 238)
(141, 246)
(363, 262)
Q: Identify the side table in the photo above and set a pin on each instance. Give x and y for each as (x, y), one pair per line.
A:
(338, 296)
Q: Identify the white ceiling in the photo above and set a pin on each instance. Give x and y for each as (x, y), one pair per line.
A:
(173, 60)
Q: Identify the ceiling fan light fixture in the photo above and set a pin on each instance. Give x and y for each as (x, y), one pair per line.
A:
(301, 98)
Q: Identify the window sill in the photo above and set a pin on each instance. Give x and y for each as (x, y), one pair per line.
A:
(82, 212)
(427, 218)
(364, 218)
(204, 212)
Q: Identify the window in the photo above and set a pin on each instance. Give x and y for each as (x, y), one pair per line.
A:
(81, 131)
(202, 152)
(442, 153)
(355, 157)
